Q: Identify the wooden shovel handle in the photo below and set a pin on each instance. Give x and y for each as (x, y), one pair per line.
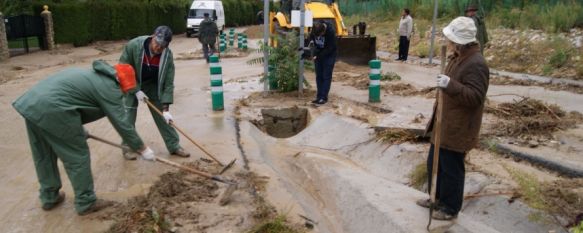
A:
(171, 123)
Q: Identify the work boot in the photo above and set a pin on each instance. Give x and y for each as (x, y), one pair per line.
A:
(442, 215)
(98, 205)
(425, 203)
(50, 206)
(181, 152)
(129, 155)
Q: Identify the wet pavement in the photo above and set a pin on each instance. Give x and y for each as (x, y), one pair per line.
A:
(333, 171)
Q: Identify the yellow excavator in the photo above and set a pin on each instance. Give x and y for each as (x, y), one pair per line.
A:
(353, 48)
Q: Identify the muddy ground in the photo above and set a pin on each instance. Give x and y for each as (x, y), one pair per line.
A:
(333, 174)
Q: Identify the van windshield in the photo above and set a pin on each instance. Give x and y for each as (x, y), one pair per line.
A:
(199, 13)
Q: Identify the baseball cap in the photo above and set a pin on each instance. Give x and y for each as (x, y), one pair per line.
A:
(462, 30)
(163, 35)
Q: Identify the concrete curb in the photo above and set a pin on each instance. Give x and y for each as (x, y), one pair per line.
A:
(549, 164)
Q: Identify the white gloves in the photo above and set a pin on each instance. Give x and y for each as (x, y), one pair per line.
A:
(141, 96)
(442, 80)
(148, 154)
(167, 116)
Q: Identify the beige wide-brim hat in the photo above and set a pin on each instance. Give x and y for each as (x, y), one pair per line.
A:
(462, 30)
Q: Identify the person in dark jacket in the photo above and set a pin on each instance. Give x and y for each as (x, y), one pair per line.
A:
(55, 111)
(208, 36)
(323, 36)
(463, 86)
(481, 34)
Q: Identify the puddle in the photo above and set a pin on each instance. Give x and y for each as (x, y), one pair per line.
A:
(283, 122)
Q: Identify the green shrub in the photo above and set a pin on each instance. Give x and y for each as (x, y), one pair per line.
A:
(562, 52)
(560, 17)
(286, 59)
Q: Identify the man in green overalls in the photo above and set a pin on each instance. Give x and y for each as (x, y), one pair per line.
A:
(55, 110)
(154, 65)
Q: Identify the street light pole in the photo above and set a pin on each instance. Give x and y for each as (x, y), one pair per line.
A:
(265, 46)
(301, 66)
(433, 32)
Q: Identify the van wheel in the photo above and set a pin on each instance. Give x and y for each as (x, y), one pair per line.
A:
(188, 34)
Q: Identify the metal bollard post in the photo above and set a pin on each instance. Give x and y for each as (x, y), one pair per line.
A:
(216, 83)
(374, 88)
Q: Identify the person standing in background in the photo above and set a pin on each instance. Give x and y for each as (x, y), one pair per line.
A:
(405, 32)
(482, 34)
(208, 36)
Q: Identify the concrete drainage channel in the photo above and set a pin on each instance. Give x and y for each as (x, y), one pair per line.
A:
(330, 167)
(284, 122)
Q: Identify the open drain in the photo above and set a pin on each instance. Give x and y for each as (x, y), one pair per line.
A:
(283, 122)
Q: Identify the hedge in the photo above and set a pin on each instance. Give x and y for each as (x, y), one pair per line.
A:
(83, 22)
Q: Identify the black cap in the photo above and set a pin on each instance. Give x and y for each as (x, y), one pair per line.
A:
(206, 14)
(163, 35)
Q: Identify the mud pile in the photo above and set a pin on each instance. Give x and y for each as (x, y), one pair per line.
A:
(530, 117)
(198, 54)
(169, 199)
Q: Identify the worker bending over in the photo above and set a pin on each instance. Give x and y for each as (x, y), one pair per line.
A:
(55, 111)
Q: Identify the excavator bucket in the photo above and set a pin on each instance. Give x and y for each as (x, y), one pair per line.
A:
(357, 49)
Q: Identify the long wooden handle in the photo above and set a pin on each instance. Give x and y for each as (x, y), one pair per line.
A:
(171, 123)
(168, 162)
(437, 130)
(177, 165)
(108, 142)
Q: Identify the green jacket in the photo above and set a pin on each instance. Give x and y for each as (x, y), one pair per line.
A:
(63, 102)
(133, 54)
(208, 32)
(481, 34)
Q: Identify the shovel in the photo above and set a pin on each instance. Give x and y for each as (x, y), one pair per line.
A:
(171, 123)
(225, 197)
(437, 140)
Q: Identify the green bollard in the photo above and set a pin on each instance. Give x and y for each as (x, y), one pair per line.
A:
(216, 73)
(374, 88)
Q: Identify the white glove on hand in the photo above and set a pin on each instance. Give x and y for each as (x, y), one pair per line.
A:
(442, 80)
(141, 96)
(148, 154)
(167, 117)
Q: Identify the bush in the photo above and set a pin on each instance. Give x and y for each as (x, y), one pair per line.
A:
(83, 22)
(560, 17)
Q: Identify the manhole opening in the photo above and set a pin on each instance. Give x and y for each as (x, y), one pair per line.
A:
(283, 122)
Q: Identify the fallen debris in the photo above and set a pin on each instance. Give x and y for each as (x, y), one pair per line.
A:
(531, 117)
(399, 135)
(168, 199)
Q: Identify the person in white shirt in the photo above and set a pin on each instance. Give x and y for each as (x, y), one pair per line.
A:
(405, 32)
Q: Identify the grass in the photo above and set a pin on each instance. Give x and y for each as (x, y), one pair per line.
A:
(279, 224)
(390, 76)
(529, 188)
(418, 177)
(19, 43)
(577, 229)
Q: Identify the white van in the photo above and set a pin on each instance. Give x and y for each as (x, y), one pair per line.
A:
(196, 15)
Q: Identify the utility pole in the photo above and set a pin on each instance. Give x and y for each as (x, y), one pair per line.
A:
(433, 32)
(301, 66)
(265, 46)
